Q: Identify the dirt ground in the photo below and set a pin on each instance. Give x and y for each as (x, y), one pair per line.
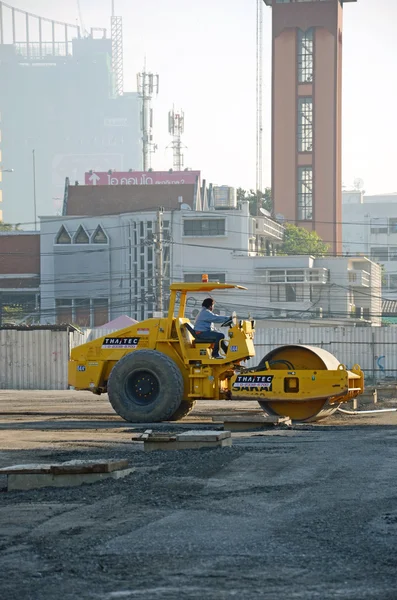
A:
(308, 512)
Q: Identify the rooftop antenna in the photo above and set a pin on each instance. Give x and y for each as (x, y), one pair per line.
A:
(148, 86)
(176, 126)
(117, 51)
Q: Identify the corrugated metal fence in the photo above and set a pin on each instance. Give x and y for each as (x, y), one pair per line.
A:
(33, 360)
(38, 359)
(374, 349)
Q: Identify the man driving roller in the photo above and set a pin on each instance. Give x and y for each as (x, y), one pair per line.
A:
(205, 330)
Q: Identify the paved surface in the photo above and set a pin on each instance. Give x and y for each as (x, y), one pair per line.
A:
(302, 513)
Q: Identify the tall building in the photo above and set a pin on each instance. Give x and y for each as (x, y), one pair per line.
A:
(60, 98)
(306, 114)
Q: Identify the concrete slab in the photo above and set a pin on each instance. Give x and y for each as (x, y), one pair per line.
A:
(66, 474)
(31, 481)
(68, 467)
(186, 440)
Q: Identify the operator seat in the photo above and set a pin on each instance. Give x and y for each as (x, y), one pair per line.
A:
(192, 332)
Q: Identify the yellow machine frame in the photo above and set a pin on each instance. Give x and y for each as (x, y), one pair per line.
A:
(280, 385)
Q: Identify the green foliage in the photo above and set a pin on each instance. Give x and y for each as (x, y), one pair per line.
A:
(300, 241)
(256, 199)
(8, 226)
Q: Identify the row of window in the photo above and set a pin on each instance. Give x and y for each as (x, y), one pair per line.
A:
(390, 281)
(85, 312)
(384, 225)
(297, 275)
(384, 254)
(81, 236)
(295, 293)
(204, 227)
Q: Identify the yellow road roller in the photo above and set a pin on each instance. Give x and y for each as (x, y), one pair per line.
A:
(156, 369)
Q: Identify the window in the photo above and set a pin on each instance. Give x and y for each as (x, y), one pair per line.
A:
(294, 293)
(287, 293)
(196, 277)
(393, 282)
(276, 276)
(379, 225)
(100, 311)
(305, 193)
(99, 236)
(63, 236)
(305, 56)
(305, 124)
(204, 227)
(64, 312)
(393, 253)
(81, 236)
(380, 254)
(392, 225)
(277, 293)
(295, 276)
(82, 312)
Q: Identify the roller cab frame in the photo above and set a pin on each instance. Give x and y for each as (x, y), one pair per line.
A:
(135, 365)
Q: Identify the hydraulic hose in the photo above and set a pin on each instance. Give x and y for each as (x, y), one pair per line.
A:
(366, 412)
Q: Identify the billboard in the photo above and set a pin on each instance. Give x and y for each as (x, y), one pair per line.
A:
(141, 177)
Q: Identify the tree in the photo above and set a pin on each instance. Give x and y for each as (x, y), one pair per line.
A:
(8, 226)
(264, 198)
(298, 240)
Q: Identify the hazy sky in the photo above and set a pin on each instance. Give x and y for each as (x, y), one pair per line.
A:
(204, 52)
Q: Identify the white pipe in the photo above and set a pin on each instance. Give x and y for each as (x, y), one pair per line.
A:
(366, 412)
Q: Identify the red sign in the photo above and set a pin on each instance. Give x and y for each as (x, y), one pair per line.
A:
(141, 178)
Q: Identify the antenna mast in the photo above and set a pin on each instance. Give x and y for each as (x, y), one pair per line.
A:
(176, 126)
(117, 51)
(148, 85)
(259, 86)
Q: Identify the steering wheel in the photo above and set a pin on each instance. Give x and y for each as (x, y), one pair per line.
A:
(231, 321)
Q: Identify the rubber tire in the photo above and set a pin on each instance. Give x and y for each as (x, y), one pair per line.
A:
(171, 387)
(184, 409)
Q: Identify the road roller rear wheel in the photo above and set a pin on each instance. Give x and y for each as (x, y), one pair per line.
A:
(300, 358)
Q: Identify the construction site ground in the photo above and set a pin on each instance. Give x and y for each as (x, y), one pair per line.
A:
(308, 512)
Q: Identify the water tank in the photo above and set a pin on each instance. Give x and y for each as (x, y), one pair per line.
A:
(225, 197)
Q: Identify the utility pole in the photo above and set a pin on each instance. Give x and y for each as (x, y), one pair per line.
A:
(34, 190)
(159, 261)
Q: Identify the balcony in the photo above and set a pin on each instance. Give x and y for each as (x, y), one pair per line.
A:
(359, 278)
(311, 276)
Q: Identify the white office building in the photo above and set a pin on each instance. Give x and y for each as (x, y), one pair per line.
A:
(370, 229)
(94, 269)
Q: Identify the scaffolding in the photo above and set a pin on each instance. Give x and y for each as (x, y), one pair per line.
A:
(117, 52)
(37, 38)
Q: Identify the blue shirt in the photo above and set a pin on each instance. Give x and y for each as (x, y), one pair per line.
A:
(205, 320)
